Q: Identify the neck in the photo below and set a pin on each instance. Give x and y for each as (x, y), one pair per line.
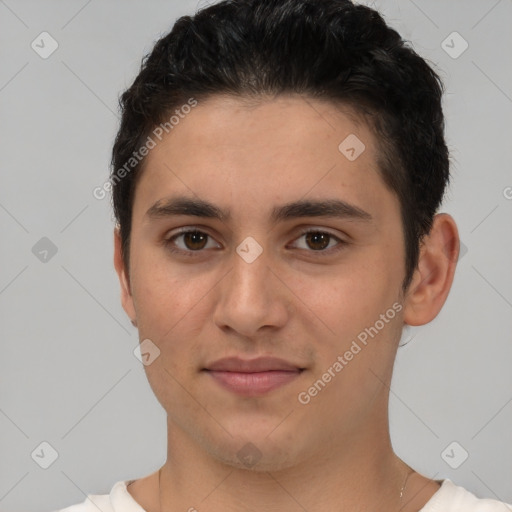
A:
(360, 473)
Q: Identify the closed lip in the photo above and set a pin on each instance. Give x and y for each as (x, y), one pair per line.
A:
(260, 364)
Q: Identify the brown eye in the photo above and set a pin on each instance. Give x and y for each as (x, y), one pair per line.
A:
(194, 240)
(320, 241)
(190, 241)
(317, 240)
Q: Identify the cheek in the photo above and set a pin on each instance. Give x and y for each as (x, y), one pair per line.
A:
(352, 301)
(165, 305)
(162, 295)
(168, 309)
(355, 294)
(365, 317)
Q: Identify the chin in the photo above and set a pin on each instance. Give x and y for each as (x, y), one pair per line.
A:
(254, 451)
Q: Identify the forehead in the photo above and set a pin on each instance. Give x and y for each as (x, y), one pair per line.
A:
(223, 121)
(239, 152)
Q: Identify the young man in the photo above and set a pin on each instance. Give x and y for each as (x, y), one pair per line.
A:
(276, 179)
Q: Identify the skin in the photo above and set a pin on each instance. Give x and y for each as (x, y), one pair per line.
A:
(291, 302)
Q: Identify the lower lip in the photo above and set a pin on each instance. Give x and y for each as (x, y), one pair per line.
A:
(253, 384)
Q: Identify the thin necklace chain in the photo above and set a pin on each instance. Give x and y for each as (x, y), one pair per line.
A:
(410, 472)
(402, 490)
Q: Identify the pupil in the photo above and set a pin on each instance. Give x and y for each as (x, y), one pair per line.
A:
(193, 237)
(316, 237)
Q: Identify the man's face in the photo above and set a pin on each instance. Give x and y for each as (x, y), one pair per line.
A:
(306, 299)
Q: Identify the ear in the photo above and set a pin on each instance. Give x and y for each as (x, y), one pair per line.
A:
(433, 277)
(122, 274)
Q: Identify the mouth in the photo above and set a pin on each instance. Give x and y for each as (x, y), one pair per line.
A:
(253, 377)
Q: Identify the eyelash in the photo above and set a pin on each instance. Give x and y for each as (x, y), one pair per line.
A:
(168, 242)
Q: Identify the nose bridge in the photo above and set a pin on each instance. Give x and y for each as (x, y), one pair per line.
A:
(250, 295)
(250, 272)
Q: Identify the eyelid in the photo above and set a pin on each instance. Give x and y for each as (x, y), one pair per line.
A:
(168, 240)
(339, 245)
(318, 229)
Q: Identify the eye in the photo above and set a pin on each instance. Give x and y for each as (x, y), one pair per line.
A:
(318, 241)
(193, 240)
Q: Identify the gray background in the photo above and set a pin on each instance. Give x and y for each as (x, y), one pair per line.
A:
(68, 372)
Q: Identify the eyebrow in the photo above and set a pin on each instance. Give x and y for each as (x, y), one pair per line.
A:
(335, 208)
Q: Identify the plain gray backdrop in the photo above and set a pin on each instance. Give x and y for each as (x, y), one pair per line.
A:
(69, 377)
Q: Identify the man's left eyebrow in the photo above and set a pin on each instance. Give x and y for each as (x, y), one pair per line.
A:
(194, 207)
(335, 208)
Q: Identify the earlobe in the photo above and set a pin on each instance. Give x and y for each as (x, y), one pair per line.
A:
(122, 274)
(434, 274)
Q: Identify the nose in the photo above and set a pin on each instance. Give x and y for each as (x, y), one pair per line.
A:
(251, 297)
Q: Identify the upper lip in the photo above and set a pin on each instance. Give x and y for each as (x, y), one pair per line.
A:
(260, 364)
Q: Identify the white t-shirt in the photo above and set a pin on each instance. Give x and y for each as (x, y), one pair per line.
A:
(448, 498)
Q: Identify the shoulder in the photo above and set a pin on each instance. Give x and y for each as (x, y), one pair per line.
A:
(119, 500)
(92, 503)
(453, 498)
